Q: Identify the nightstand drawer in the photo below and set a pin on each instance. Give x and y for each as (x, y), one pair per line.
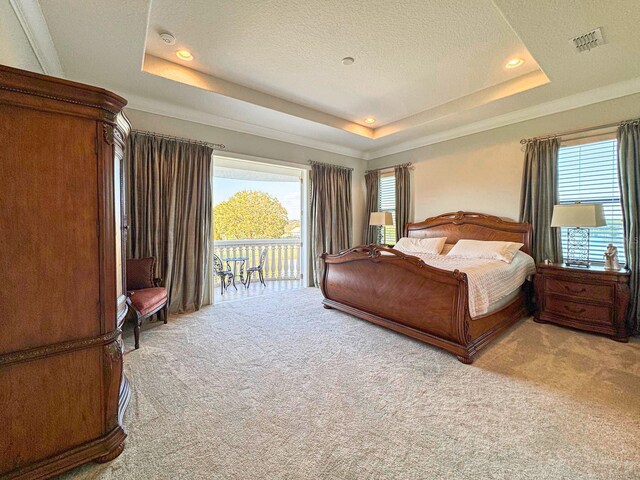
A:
(580, 311)
(591, 299)
(602, 293)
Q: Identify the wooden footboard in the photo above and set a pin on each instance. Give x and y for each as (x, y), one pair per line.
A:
(404, 294)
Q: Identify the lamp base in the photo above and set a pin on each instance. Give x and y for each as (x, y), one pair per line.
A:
(577, 247)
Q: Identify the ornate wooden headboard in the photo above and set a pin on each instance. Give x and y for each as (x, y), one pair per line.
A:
(472, 226)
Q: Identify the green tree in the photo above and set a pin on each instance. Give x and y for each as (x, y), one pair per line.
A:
(292, 228)
(249, 214)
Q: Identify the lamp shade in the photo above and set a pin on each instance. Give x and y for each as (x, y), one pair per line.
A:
(380, 218)
(578, 215)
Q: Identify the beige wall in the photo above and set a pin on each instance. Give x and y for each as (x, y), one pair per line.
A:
(246, 144)
(15, 49)
(482, 172)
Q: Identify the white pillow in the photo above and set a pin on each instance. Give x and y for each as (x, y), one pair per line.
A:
(493, 250)
(421, 245)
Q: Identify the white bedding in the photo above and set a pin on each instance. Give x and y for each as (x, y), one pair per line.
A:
(489, 280)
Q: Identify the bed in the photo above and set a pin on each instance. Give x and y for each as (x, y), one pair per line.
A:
(401, 292)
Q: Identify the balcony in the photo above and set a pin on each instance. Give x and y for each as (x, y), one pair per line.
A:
(282, 269)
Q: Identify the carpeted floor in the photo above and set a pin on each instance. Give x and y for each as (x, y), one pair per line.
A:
(279, 388)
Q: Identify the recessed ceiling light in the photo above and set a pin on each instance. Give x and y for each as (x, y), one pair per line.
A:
(184, 55)
(514, 63)
(369, 120)
(348, 61)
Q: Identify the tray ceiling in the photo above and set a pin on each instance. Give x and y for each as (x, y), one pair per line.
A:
(427, 71)
(409, 56)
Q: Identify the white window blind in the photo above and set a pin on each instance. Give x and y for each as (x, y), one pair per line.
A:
(589, 173)
(387, 203)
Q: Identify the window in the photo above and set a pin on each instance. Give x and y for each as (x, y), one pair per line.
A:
(387, 203)
(589, 173)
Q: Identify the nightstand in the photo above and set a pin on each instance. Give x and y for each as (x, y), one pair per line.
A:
(591, 299)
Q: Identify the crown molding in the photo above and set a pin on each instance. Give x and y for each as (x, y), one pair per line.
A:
(36, 29)
(571, 102)
(583, 99)
(137, 102)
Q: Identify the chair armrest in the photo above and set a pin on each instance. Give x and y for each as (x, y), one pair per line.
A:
(157, 282)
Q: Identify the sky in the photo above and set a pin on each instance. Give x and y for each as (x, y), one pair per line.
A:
(287, 192)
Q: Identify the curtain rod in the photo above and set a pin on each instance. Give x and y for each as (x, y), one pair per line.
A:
(215, 146)
(313, 162)
(409, 165)
(580, 130)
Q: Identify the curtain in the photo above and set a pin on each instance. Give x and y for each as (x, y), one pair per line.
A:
(629, 172)
(403, 198)
(169, 209)
(539, 193)
(372, 191)
(331, 220)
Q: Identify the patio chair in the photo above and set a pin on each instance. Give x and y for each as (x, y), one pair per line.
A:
(224, 274)
(259, 269)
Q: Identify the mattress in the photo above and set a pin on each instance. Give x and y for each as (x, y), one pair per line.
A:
(500, 304)
(492, 283)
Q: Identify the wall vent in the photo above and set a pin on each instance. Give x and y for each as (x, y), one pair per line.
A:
(587, 41)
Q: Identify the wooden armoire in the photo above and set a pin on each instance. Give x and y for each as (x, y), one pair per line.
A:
(62, 284)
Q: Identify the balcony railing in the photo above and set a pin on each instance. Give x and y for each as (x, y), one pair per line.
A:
(283, 255)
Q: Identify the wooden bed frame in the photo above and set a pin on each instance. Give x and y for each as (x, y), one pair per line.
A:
(402, 293)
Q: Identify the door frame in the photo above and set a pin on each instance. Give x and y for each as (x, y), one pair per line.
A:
(303, 169)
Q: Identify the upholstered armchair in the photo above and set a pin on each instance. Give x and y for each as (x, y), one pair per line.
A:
(146, 295)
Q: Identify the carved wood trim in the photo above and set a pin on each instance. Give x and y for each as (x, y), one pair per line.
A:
(39, 352)
(108, 133)
(462, 312)
(462, 215)
(56, 98)
(113, 354)
(96, 449)
(112, 372)
(375, 253)
(57, 89)
(489, 227)
(111, 455)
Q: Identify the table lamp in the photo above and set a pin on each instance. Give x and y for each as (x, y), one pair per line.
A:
(579, 217)
(381, 219)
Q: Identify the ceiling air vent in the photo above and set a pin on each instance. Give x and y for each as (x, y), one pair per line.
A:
(586, 42)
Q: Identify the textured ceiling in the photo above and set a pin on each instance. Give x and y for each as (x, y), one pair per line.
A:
(421, 69)
(410, 56)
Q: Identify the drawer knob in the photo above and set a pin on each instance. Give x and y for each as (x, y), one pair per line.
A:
(570, 290)
(574, 310)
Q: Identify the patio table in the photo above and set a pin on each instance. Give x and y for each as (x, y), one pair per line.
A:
(238, 268)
